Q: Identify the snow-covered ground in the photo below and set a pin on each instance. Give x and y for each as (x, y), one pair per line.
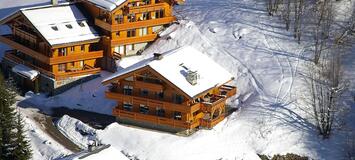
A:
(268, 65)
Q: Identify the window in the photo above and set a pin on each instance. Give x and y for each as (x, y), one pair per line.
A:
(159, 95)
(55, 28)
(160, 112)
(118, 34)
(81, 64)
(146, 2)
(127, 106)
(82, 48)
(177, 115)
(131, 33)
(146, 16)
(81, 24)
(132, 4)
(62, 67)
(159, 13)
(143, 109)
(143, 31)
(119, 19)
(178, 99)
(131, 18)
(72, 64)
(69, 26)
(72, 49)
(144, 92)
(127, 90)
(62, 51)
(130, 47)
(156, 1)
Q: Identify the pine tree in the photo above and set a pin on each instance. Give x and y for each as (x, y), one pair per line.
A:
(7, 117)
(22, 149)
(13, 145)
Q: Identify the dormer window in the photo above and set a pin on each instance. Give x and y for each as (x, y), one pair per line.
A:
(55, 28)
(69, 26)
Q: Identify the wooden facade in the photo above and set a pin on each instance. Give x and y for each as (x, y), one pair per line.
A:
(130, 27)
(145, 96)
(58, 62)
(125, 30)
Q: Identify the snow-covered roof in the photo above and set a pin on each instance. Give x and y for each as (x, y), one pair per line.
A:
(109, 5)
(25, 71)
(174, 66)
(60, 24)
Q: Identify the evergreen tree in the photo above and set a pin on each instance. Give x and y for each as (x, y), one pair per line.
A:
(7, 118)
(13, 145)
(22, 149)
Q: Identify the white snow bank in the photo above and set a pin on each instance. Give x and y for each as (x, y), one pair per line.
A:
(109, 153)
(75, 130)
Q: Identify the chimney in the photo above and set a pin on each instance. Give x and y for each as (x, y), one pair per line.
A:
(192, 77)
(54, 2)
(158, 56)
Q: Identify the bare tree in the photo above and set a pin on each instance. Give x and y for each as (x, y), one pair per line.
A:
(326, 86)
(324, 19)
(286, 13)
(299, 10)
(349, 29)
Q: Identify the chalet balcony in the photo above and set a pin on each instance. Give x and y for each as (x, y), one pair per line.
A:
(10, 56)
(227, 90)
(211, 102)
(137, 99)
(86, 70)
(155, 119)
(104, 24)
(24, 48)
(210, 123)
(74, 72)
(133, 40)
(76, 57)
(147, 7)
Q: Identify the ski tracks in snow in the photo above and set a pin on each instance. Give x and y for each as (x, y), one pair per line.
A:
(288, 71)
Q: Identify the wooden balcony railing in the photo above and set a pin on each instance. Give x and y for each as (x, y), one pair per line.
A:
(9, 40)
(135, 99)
(155, 119)
(132, 40)
(132, 25)
(148, 7)
(228, 90)
(211, 123)
(149, 86)
(209, 107)
(9, 55)
(76, 57)
(83, 72)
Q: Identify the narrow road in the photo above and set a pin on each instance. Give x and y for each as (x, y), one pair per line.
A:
(47, 125)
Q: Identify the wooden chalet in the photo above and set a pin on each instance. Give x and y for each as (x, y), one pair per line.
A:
(61, 45)
(128, 25)
(179, 90)
(56, 41)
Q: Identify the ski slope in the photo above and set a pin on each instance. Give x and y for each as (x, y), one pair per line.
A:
(268, 65)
